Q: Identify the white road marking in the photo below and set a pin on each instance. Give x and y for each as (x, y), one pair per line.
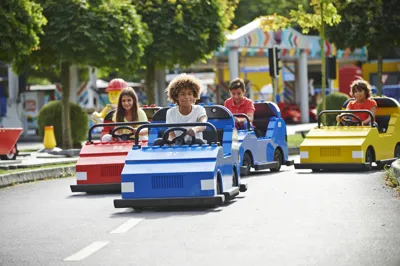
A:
(125, 227)
(87, 251)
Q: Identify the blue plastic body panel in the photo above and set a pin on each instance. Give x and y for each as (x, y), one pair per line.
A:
(262, 148)
(183, 171)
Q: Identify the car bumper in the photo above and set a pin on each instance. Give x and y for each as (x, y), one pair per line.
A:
(334, 166)
(97, 188)
(170, 202)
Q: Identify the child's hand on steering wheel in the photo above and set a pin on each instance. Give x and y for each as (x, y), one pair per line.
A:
(191, 131)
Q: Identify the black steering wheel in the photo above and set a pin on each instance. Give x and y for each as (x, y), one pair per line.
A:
(181, 137)
(126, 136)
(349, 121)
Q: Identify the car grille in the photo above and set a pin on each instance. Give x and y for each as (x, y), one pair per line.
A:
(114, 170)
(330, 152)
(163, 182)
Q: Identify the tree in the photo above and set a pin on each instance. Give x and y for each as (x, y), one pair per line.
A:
(22, 21)
(375, 27)
(184, 32)
(248, 10)
(94, 32)
(325, 12)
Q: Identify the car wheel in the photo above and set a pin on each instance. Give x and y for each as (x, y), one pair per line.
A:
(246, 164)
(218, 186)
(278, 158)
(11, 156)
(234, 178)
(397, 151)
(369, 158)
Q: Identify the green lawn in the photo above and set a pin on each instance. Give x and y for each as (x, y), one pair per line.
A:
(294, 141)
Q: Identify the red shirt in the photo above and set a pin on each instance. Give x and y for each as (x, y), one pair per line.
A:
(245, 106)
(367, 104)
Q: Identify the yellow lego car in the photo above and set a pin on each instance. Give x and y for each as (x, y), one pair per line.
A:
(353, 147)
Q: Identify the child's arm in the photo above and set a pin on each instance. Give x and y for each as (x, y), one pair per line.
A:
(192, 131)
(340, 119)
(171, 135)
(142, 117)
(368, 120)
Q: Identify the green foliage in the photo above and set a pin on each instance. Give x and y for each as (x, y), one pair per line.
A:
(334, 101)
(184, 31)
(390, 177)
(325, 13)
(375, 26)
(50, 115)
(21, 22)
(95, 32)
(248, 10)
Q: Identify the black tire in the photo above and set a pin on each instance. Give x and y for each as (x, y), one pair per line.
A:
(246, 163)
(11, 156)
(315, 170)
(219, 190)
(369, 158)
(397, 151)
(234, 178)
(278, 158)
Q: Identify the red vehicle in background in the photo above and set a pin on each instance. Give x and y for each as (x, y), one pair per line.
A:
(100, 164)
(8, 143)
(347, 75)
(292, 115)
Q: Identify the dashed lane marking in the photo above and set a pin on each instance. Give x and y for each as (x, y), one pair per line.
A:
(125, 227)
(87, 251)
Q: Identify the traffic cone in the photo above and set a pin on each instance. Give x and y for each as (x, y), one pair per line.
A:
(49, 140)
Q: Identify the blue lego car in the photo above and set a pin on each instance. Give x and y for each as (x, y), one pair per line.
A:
(184, 175)
(265, 146)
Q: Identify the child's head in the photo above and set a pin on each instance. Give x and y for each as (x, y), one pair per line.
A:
(127, 102)
(237, 89)
(184, 90)
(360, 89)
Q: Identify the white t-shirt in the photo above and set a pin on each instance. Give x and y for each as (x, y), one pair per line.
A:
(174, 116)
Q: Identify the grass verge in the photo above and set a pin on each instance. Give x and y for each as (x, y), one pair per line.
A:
(294, 141)
(36, 168)
(391, 179)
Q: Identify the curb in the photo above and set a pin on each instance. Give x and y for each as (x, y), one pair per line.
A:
(396, 169)
(27, 176)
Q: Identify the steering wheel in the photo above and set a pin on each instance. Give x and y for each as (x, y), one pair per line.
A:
(349, 121)
(181, 137)
(126, 136)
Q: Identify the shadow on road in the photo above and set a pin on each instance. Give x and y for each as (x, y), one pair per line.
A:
(157, 213)
(94, 195)
(324, 172)
(263, 172)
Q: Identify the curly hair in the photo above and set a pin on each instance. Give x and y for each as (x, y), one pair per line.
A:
(360, 84)
(120, 113)
(183, 81)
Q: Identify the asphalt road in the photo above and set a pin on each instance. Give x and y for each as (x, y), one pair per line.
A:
(287, 218)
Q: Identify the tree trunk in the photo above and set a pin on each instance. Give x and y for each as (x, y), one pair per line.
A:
(379, 74)
(65, 110)
(150, 82)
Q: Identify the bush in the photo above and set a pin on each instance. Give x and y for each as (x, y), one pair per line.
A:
(50, 115)
(334, 101)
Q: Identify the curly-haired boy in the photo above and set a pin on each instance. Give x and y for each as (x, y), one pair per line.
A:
(183, 91)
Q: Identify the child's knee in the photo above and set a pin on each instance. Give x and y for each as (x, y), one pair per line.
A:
(106, 138)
